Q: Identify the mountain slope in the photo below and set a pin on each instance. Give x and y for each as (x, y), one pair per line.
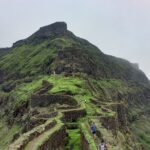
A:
(54, 71)
(54, 48)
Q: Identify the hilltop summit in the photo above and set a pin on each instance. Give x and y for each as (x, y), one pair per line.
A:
(55, 28)
(49, 31)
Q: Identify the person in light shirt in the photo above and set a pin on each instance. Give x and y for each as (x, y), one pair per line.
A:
(102, 146)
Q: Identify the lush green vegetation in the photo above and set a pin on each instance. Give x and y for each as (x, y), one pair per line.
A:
(74, 139)
(6, 134)
(29, 58)
(62, 84)
(71, 85)
(141, 128)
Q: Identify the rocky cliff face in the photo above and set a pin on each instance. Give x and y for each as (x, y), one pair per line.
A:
(80, 81)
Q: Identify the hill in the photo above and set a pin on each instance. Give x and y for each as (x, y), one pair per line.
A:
(54, 79)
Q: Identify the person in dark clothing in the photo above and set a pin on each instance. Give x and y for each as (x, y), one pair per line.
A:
(93, 129)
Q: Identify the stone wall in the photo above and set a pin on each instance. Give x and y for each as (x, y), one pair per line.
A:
(56, 141)
(84, 143)
(20, 143)
(73, 115)
(45, 100)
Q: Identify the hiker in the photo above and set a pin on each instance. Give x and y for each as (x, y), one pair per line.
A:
(54, 73)
(102, 146)
(142, 147)
(94, 129)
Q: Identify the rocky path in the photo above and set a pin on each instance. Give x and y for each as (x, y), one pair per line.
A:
(41, 139)
(20, 143)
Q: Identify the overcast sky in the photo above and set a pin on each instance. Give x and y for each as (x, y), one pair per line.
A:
(118, 27)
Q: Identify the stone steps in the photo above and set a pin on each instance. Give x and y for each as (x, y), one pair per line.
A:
(20, 143)
(46, 139)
